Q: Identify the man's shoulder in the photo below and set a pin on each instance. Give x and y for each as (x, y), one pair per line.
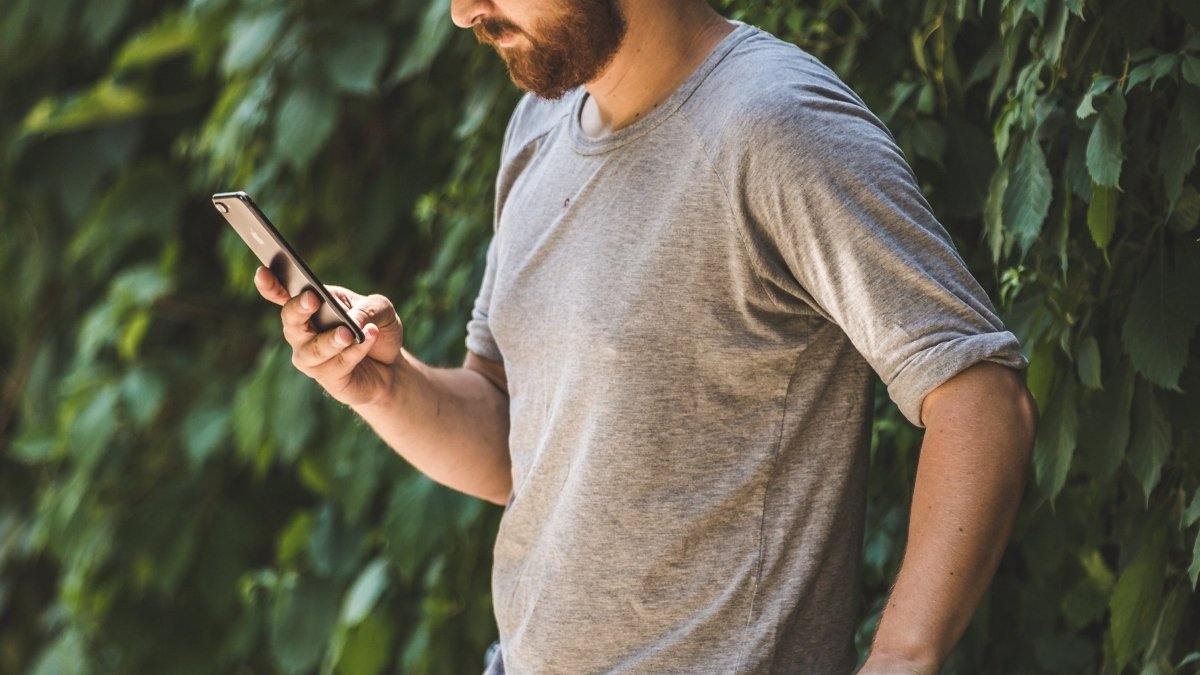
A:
(535, 117)
(770, 96)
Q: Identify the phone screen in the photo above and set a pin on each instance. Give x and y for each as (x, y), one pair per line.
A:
(276, 254)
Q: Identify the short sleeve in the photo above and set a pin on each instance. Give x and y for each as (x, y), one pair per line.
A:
(479, 332)
(829, 192)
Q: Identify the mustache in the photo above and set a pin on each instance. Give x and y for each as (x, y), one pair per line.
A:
(490, 30)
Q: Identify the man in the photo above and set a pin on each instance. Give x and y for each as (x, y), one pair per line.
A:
(704, 245)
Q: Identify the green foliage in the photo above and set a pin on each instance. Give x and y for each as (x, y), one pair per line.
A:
(174, 497)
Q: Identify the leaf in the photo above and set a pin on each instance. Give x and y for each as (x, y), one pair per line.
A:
(175, 33)
(94, 427)
(993, 211)
(1157, 329)
(1137, 599)
(1192, 514)
(142, 391)
(1027, 196)
(303, 124)
(1104, 433)
(1191, 70)
(294, 538)
(293, 413)
(1186, 215)
(1181, 139)
(1104, 154)
(1194, 568)
(303, 619)
(1102, 216)
(204, 430)
(1088, 363)
(249, 40)
(355, 62)
(369, 647)
(334, 547)
(1154, 71)
(1100, 84)
(1055, 445)
(107, 102)
(365, 592)
(432, 35)
(1150, 445)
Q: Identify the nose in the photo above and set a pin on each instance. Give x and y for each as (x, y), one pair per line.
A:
(466, 12)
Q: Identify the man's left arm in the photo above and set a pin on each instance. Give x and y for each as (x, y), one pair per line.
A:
(980, 427)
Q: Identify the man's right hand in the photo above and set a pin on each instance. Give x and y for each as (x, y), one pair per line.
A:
(355, 374)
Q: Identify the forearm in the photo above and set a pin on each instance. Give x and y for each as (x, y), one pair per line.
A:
(979, 435)
(450, 424)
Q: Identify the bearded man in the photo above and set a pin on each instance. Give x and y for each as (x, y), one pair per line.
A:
(706, 248)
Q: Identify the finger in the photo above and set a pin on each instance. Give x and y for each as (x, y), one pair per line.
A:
(295, 315)
(323, 347)
(347, 297)
(269, 287)
(375, 309)
(335, 373)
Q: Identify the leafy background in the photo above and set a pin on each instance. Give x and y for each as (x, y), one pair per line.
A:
(175, 498)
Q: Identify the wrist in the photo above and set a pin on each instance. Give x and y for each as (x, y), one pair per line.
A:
(392, 390)
(883, 663)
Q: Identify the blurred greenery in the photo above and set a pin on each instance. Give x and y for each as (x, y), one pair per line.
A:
(174, 497)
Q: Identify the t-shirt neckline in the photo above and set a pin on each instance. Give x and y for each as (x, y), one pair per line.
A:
(588, 145)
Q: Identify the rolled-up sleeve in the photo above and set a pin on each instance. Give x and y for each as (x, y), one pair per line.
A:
(828, 190)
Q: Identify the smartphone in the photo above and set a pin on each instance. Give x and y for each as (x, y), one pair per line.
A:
(276, 254)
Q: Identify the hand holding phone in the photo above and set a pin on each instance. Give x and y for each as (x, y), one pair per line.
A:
(354, 359)
(277, 255)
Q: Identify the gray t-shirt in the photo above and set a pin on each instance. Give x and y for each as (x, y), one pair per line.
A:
(689, 312)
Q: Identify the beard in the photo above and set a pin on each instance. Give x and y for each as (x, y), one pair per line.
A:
(563, 52)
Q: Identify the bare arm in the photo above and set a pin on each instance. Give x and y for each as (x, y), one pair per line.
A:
(978, 439)
(451, 424)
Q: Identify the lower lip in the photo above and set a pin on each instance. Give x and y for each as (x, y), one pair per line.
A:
(506, 40)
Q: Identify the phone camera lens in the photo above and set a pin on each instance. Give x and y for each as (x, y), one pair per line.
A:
(222, 207)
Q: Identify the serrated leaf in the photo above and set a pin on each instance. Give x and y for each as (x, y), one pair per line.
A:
(365, 592)
(993, 212)
(303, 124)
(1156, 332)
(1100, 84)
(1027, 196)
(355, 62)
(1088, 363)
(1153, 71)
(1137, 599)
(1104, 154)
(1102, 216)
(1055, 445)
(1177, 155)
(1150, 444)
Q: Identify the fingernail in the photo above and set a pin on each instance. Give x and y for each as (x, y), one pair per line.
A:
(307, 301)
(341, 337)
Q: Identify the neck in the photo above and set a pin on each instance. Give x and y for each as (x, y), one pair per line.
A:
(664, 44)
